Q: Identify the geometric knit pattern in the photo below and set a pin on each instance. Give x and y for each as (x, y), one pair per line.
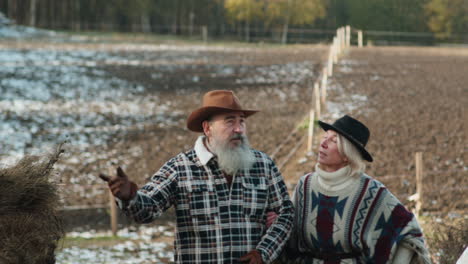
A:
(362, 223)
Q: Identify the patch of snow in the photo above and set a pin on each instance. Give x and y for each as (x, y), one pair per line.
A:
(4, 21)
(284, 73)
(42, 103)
(9, 30)
(343, 103)
(351, 62)
(345, 69)
(139, 248)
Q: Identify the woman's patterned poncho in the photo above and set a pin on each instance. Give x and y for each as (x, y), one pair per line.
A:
(364, 220)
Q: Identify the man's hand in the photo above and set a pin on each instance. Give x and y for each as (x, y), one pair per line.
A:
(120, 186)
(253, 257)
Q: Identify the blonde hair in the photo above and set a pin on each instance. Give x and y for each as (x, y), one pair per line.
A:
(355, 159)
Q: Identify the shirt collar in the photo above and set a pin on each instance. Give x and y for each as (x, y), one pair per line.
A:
(202, 152)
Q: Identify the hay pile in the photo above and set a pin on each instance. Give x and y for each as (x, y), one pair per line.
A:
(29, 226)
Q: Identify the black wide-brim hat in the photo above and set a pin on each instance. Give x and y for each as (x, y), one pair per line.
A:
(356, 132)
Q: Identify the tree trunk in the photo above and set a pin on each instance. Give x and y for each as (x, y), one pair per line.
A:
(77, 22)
(32, 13)
(284, 37)
(222, 29)
(145, 23)
(191, 17)
(247, 31)
(12, 10)
(222, 20)
(67, 20)
(175, 18)
(42, 19)
(247, 24)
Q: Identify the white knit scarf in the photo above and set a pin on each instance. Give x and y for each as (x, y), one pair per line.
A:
(334, 181)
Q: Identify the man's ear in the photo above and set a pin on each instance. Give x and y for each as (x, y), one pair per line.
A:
(206, 128)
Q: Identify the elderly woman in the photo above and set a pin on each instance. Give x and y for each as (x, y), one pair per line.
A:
(344, 215)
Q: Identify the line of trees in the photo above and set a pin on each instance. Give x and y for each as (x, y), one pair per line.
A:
(444, 18)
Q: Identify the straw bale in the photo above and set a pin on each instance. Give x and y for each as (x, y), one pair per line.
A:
(29, 226)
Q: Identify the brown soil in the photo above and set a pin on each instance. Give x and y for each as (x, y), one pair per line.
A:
(282, 102)
(415, 102)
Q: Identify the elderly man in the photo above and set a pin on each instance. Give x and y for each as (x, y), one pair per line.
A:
(221, 190)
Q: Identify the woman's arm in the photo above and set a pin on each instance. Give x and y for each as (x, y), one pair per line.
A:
(403, 255)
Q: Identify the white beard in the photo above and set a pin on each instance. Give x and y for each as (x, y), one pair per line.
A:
(233, 159)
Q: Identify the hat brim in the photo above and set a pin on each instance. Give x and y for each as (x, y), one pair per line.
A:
(365, 154)
(196, 118)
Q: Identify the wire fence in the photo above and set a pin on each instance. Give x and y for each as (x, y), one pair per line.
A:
(261, 34)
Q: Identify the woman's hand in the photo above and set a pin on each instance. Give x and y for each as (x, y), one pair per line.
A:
(253, 257)
(271, 218)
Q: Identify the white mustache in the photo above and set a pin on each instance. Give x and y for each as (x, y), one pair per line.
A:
(239, 136)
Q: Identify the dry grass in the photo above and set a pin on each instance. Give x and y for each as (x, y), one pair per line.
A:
(29, 224)
(447, 240)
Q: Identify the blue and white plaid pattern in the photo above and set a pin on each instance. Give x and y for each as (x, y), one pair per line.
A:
(216, 224)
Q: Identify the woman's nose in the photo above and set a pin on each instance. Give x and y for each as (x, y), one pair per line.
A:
(323, 144)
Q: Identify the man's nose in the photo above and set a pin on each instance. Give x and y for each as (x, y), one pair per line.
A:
(238, 128)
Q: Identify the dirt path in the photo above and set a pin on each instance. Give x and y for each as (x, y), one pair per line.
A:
(412, 99)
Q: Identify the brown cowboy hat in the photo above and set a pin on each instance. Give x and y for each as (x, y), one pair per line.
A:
(215, 102)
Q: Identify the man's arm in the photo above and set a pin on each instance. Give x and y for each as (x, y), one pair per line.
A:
(278, 233)
(151, 200)
(291, 247)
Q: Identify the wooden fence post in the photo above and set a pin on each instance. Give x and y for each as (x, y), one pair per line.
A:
(338, 39)
(311, 131)
(330, 62)
(343, 38)
(336, 49)
(317, 99)
(419, 182)
(323, 86)
(113, 207)
(360, 38)
(348, 36)
(205, 33)
(113, 213)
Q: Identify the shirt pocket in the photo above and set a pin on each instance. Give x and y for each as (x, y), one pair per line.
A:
(255, 196)
(203, 201)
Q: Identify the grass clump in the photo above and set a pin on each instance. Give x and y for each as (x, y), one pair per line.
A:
(448, 240)
(29, 226)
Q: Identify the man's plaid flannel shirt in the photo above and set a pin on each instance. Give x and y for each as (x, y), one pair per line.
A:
(216, 224)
